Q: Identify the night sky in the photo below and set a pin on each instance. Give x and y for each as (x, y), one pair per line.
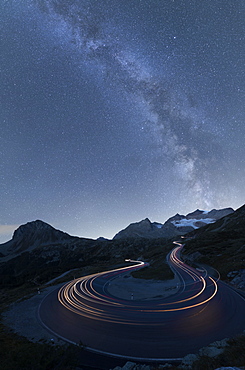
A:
(117, 110)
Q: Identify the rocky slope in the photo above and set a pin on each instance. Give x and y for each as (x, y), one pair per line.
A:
(31, 235)
(38, 253)
(221, 245)
(174, 226)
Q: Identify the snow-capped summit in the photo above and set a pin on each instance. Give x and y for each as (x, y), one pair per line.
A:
(193, 222)
(199, 218)
(176, 225)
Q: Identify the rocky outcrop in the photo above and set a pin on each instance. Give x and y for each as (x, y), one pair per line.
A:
(238, 278)
(188, 361)
(212, 350)
(133, 366)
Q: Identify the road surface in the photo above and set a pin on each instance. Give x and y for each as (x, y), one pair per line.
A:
(203, 310)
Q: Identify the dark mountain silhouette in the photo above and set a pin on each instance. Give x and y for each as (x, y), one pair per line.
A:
(31, 235)
(174, 226)
(40, 252)
(220, 244)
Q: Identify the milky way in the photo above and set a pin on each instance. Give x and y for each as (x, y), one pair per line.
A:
(116, 111)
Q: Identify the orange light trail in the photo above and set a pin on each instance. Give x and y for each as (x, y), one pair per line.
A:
(81, 297)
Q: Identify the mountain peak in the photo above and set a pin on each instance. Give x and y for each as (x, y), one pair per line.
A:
(176, 225)
(145, 221)
(33, 234)
(176, 217)
(197, 212)
(31, 227)
(135, 230)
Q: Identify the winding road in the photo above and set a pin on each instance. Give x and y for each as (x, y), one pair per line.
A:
(203, 310)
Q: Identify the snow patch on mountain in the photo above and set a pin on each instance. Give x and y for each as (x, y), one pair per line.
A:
(157, 225)
(195, 223)
(174, 226)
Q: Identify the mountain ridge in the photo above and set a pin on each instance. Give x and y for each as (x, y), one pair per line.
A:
(174, 226)
(37, 249)
(220, 245)
(35, 233)
(53, 254)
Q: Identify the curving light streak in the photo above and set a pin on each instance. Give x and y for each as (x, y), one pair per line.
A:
(83, 298)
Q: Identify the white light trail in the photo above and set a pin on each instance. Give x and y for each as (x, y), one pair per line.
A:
(82, 297)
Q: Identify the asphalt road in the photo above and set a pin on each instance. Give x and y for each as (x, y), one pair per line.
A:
(202, 311)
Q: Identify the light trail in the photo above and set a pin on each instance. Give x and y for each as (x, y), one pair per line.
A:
(82, 297)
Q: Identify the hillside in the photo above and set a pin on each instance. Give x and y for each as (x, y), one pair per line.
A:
(31, 235)
(38, 253)
(220, 245)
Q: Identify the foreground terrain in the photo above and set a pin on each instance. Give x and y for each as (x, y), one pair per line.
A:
(40, 256)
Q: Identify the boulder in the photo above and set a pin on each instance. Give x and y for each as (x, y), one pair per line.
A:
(239, 279)
(211, 351)
(188, 361)
(129, 366)
(214, 349)
(133, 366)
